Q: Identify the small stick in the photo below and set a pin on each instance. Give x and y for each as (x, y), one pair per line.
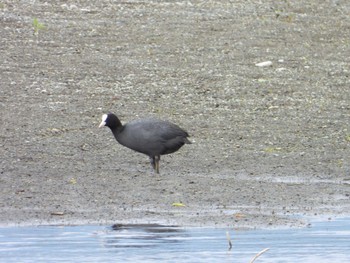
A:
(259, 254)
(229, 240)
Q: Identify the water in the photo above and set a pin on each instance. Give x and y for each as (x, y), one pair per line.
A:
(323, 242)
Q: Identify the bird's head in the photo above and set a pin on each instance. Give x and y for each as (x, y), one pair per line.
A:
(110, 120)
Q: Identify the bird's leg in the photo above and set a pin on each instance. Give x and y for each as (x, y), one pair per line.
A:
(157, 159)
(153, 162)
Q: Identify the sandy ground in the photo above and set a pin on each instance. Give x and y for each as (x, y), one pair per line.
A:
(270, 144)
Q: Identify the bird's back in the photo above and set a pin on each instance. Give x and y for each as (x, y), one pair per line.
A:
(152, 136)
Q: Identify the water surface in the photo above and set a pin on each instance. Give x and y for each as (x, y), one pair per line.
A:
(327, 241)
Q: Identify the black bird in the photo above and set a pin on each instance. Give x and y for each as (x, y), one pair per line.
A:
(152, 137)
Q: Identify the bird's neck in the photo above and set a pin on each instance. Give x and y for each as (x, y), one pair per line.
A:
(117, 129)
(116, 125)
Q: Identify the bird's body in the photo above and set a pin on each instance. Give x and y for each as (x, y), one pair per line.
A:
(152, 137)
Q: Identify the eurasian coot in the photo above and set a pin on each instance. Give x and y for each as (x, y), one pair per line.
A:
(152, 137)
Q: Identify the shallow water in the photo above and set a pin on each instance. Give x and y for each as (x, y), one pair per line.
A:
(322, 242)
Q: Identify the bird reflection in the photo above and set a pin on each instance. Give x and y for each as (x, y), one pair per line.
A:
(143, 235)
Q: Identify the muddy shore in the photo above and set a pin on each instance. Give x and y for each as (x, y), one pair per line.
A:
(270, 144)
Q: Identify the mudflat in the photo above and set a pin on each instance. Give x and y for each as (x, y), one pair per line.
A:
(270, 141)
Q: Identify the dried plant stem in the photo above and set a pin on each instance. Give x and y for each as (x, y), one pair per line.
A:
(229, 240)
(259, 254)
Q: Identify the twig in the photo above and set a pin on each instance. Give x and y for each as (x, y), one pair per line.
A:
(259, 254)
(229, 240)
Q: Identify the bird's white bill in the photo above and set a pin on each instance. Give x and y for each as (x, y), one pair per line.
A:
(103, 122)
